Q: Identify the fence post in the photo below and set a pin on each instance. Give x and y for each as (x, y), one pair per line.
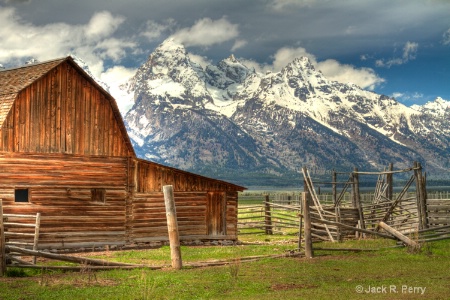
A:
(337, 210)
(172, 227)
(398, 234)
(309, 253)
(36, 234)
(267, 216)
(423, 197)
(421, 208)
(2, 243)
(357, 196)
(390, 182)
(300, 227)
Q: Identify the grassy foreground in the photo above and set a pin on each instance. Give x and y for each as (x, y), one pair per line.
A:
(388, 273)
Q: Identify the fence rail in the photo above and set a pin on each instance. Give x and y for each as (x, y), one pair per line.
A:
(266, 217)
(17, 230)
(278, 214)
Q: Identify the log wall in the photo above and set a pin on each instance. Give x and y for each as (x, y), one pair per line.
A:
(206, 208)
(151, 177)
(60, 188)
(65, 190)
(149, 216)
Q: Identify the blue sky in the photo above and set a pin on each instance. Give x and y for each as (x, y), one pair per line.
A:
(398, 48)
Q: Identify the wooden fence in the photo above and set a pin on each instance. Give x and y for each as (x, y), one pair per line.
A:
(260, 215)
(19, 231)
(438, 212)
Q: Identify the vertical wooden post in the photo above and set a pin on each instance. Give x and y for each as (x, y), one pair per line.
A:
(390, 182)
(36, 234)
(418, 195)
(421, 194)
(300, 228)
(337, 210)
(172, 227)
(267, 216)
(309, 253)
(2, 243)
(357, 196)
(424, 199)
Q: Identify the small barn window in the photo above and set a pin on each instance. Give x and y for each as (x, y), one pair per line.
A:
(21, 195)
(98, 195)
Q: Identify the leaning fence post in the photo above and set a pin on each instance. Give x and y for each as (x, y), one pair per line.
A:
(2, 243)
(309, 253)
(398, 234)
(267, 216)
(172, 227)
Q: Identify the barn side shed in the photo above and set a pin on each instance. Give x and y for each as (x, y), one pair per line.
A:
(65, 153)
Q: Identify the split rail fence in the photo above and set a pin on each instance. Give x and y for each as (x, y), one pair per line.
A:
(17, 231)
(261, 215)
(347, 213)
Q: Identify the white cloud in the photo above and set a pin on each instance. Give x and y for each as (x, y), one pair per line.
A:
(102, 25)
(409, 53)
(286, 55)
(281, 58)
(363, 77)
(285, 4)
(115, 77)
(397, 95)
(153, 30)
(331, 69)
(239, 44)
(201, 60)
(207, 32)
(446, 37)
(93, 42)
(408, 96)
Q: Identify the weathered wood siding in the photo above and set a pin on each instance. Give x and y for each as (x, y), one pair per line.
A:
(232, 213)
(151, 177)
(60, 188)
(438, 212)
(149, 216)
(63, 112)
(204, 206)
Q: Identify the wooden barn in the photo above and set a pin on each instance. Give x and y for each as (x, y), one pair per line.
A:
(65, 153)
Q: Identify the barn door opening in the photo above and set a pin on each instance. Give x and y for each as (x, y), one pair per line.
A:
(216, 213)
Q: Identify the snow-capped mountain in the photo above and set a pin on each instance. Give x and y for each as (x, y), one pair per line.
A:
(439, 107)
(227, 120)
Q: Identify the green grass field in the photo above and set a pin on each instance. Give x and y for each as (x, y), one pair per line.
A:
(388, 273)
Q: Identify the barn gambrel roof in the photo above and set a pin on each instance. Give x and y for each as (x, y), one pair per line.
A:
(13, 81)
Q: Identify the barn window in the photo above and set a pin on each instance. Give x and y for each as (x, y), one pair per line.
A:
(98, 195)
(21, 195)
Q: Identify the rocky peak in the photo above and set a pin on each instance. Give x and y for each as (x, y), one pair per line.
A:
(234, 69)
(438, 107)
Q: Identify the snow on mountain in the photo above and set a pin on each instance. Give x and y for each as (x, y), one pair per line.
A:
(439, 107)
(80, 62)
(228, 118)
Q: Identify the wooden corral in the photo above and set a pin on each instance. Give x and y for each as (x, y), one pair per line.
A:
(65, 153)
(408, 211)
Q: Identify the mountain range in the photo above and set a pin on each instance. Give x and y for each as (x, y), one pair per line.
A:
(231, 122)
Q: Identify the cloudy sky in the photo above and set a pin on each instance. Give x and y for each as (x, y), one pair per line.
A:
(399, 48)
